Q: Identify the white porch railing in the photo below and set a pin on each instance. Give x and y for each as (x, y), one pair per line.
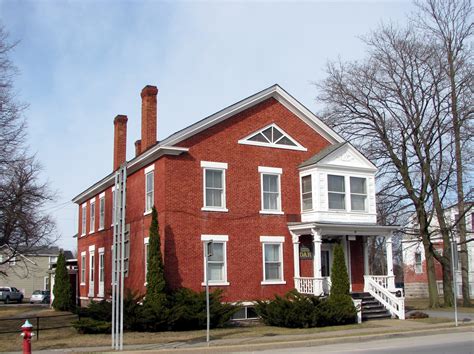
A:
(313, 286)
(374, 284)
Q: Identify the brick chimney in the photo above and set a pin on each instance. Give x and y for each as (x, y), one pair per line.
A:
(148, 94)
(138, 147)
(120, 140)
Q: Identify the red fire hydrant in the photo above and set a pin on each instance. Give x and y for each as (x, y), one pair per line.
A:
(27, 333)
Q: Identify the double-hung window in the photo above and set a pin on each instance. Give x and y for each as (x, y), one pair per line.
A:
(270, 179)
(149, 188)
(336, 192)
(217, 261)
(113, 205)
(214, 186)
(418, 263)
(92, 216)
(101, 272)
(272, 259)
(358, 193)
(91, 270)
(83, 219)
(101, 211)
(83, 268)
(306, 193)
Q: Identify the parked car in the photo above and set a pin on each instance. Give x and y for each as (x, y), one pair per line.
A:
(40, 296)
(8, 294)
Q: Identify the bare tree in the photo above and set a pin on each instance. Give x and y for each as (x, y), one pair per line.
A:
(393, 107)
(449, 23)
(24, 225)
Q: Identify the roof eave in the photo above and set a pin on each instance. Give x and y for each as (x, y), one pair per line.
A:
(132, 166)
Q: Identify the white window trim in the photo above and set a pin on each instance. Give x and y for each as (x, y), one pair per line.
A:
(312, 193)
(113, 205)
(421, 263)
(146, 241)
(263, 170)
(91, 267)
(347, 193)
(101, 252)
(209, 165)
(92, 227)
(101, 197)
(265, 240)
(298, 146)
(83, 267)
(348, 180)
(221, 239)
(83, 219)
(149, 169)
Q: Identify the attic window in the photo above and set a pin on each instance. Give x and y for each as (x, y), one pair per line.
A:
(272, 136)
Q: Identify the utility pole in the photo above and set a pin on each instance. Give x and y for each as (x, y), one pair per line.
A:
(454, 263)
(118, 257)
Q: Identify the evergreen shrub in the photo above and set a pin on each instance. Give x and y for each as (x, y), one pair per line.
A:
(296, 310)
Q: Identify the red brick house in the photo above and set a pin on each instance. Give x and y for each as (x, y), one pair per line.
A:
(265, 179)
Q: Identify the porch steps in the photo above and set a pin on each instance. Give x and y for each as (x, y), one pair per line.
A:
(371, 308)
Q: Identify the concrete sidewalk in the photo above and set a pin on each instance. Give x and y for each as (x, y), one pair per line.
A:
(384, 329)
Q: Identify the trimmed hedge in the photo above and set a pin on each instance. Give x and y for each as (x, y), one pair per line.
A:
(296, 310)
(185, 310)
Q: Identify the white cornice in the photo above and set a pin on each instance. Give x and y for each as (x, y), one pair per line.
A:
(132, 166)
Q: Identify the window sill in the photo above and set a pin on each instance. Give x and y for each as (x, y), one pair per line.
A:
(82, 235)
(148, 212)
(91, 232)
(224, 283)
(273, 282)
(222, 210)
(101, 229)
(83, 284)
(100, 295)
(272, 212)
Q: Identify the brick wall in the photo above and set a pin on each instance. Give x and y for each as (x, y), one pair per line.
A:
(179, 199)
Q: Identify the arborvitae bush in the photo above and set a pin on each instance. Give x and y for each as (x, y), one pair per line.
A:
(97, 310)
(337, 310)
(63, 300)
(339, 276)
(156, 284)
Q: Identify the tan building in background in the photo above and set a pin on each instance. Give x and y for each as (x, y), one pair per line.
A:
(29, 271)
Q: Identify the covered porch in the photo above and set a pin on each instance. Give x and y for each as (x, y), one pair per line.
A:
(313, 245)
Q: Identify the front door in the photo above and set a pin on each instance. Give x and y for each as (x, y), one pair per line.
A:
(357, 264)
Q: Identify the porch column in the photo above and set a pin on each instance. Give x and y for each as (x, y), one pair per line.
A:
(388, 251)
(366, 255)
(318, 286)
(296, 255)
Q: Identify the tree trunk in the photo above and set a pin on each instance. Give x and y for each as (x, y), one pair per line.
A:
(431, 274)
(430, 265)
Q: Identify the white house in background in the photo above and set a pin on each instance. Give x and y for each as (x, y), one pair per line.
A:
(414, 261)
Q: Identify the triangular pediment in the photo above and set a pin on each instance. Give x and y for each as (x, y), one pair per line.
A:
(347, 156)
(272, 136)
(340, 155)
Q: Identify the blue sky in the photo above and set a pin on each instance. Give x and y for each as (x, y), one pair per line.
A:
(83, 62)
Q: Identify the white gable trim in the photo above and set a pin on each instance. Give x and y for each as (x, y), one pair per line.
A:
(297, 146)
(325, 162)
(274, 91)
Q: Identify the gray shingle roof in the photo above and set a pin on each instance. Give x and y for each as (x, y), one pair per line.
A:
(322, 154)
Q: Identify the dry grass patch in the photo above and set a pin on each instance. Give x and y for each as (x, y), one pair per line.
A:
(69, 338)
(423, 304)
